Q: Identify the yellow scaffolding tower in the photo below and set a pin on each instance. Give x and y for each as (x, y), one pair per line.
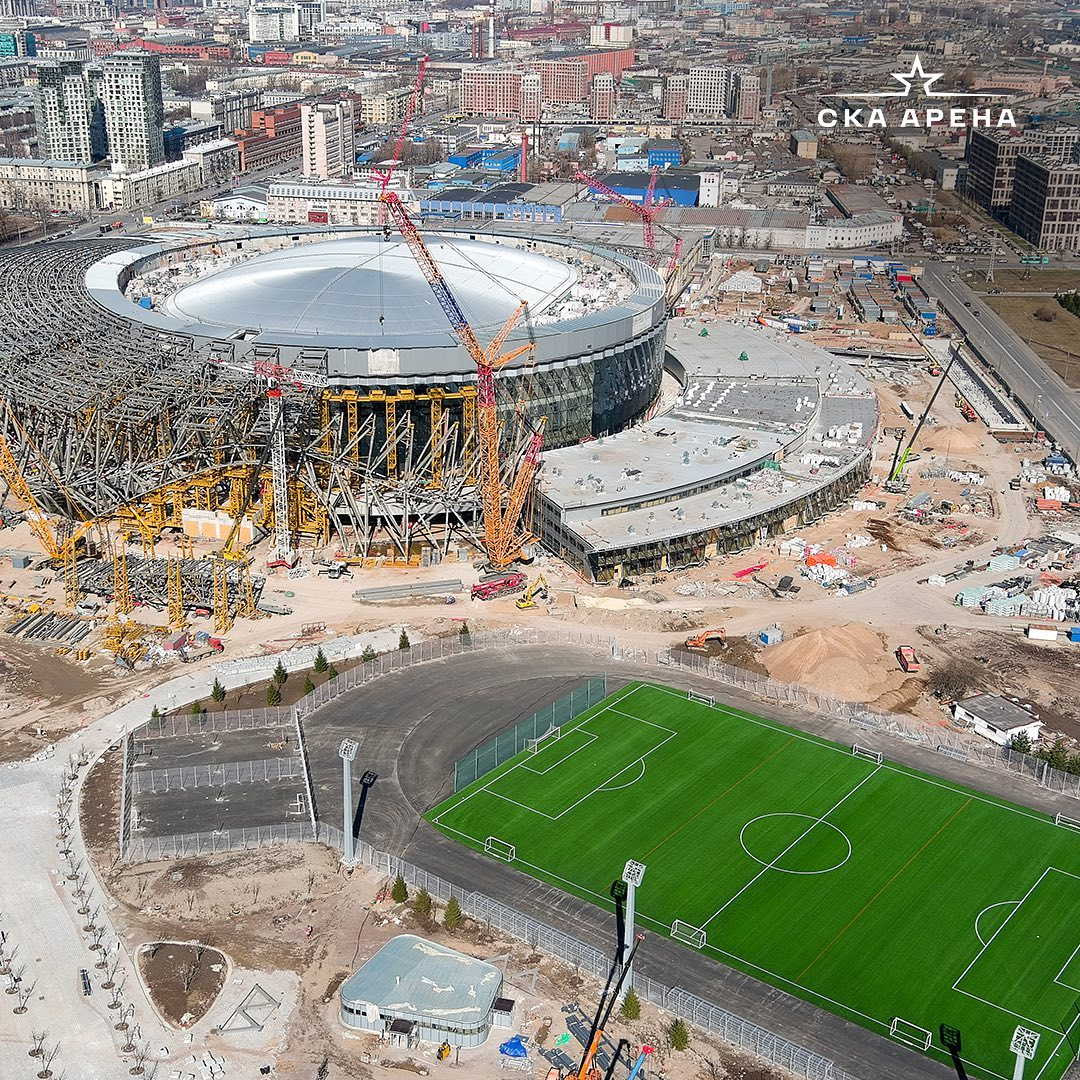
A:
(122, 601)
(175, 583)
(222, 616)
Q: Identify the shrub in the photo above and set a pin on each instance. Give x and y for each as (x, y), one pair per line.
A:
(399, 892)
(321, 663)
(631, 1006)
(1044, 313)
(273, 694)
(403, 641)
(309, 686)
(217, 691)
(452, 915)
(155, 713)
(679, 1035)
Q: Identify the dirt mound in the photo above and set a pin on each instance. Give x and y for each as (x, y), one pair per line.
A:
(848, 661)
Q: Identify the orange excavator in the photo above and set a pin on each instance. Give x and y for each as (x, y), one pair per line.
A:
(701, 641)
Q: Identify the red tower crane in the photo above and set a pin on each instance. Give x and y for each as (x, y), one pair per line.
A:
(646, 209)
(385, 175)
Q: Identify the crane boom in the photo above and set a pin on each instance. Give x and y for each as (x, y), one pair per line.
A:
(384, 176)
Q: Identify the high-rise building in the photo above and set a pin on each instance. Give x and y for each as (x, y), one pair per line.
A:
(18, 9)
(603, 97)
(18, 43)
(1045, 206)
(746, 97)
(274, 22)
(675, 90)
(311, 13)
(708, 91)
(67, 112)
(129, 87)
(531, 98)
(563, 82)
(329, 138)
(991, 156)
(490, 91)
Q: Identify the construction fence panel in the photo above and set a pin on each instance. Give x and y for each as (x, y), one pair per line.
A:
(507, 744)
(149, 848)
(184, 778)
(124, 831)
(165, 727)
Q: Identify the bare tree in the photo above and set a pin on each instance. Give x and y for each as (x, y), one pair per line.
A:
(47, 1058)
(187, 975)
(97, 934)
(126, 1012)
(38, 1039)
(114, 997)
(15, 977)
(111, 967)
(139, 1056)
(22, 996)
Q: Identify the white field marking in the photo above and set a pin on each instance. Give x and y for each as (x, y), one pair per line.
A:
(1000, 903)
(769, 866)
(781, 870)
(1058, 979)
(821, 742)
(1061, 1041)
(629, 783)
(543, 772)
(625, 693)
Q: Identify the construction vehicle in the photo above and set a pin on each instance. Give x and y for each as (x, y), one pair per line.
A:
(537, 589)
(588, 1070)
(896, 480)
(335, 572)
(1014, 484)
(499, 586)
(701, 641)
(906, 658)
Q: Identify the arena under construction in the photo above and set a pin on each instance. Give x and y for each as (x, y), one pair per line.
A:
(135, 376)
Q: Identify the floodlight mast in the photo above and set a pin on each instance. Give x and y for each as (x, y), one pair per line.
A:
(347, 752)
(603, 1015)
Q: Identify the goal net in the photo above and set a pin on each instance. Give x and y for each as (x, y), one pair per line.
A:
(688, 933)
(866, 752)
(1067, 822)
(500, 849)
(706, 699)
(910, 1033)
(549, 736)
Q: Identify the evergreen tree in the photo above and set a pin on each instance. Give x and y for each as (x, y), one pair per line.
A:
(217, 691)
(399, 893)
(196, 709)
(280, 674)
(368, 654)
(309, 686)
(464, 630)
(321, 663)
(403, 641)
(331, 672)
(422, 904)
(452, 915)
(1058, 757)
(1021, 743)
(631, 1006)
(679, 1035)
(155, 713)
(273, 694)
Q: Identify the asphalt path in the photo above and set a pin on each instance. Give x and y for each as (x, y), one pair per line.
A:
(413, 725)
(1053, 405)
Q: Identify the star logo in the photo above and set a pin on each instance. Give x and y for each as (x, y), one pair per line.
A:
(907, 80)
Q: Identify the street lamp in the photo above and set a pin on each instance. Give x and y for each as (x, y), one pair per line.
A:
(347, 753)
(632, 874)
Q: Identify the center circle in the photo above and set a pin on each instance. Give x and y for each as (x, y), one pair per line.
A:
(795, 843)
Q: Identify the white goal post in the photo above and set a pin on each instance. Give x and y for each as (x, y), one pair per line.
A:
(500, 849)
(910, 1033)
(866, 752)
(552, 734)
(688, 934)
(1067, 822)
(706, 699)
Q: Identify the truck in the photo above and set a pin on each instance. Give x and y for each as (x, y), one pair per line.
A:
(499, 586)
(906, 658)
(1014, 484)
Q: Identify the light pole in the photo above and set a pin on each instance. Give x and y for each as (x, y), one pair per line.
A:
(632, 874)
(347, 753)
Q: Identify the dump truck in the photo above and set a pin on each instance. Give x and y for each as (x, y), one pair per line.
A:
(906, 658)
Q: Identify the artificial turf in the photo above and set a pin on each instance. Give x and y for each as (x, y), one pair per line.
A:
(872, 890)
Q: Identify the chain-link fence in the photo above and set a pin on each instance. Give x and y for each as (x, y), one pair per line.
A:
(146, 848)
(736, 1030)
(184, 778)
(493, 753)
(166, 727)
(128, 743)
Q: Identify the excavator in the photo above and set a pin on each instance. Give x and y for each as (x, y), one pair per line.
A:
(701, 641)
(538, 588)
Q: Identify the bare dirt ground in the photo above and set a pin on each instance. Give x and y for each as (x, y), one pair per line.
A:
(1054, 340)
(183, 980)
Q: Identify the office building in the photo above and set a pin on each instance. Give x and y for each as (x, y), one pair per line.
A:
(130, 93)
(674, 103)
(708, 91)
(603, 97)
(274, 137)
(17, 43)
(746, 97)
(531, 98)
(1045, 206)
(68, 113)
(311, 13)
(232, 109)
(328, 134)
(273, 22)
(991, 156)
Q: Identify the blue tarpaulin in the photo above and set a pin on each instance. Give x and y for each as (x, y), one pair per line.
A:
(514, 1047)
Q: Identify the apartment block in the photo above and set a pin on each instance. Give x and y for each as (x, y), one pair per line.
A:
(676, 88)
(274, 22)
(1045, 207)
(130, 93)
(67, 112)
(603, 97)
(328, 134)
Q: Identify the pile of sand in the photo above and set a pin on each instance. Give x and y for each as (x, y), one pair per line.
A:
(848, 662)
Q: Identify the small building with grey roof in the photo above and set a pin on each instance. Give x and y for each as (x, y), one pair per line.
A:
(414, 990)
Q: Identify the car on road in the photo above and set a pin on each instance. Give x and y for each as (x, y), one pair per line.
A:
(967, 303)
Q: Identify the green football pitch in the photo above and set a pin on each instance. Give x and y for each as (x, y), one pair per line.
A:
(889, 897)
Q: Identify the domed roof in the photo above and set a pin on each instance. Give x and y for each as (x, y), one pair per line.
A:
(370, 287)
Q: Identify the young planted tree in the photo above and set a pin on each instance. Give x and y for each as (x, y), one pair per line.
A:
(631, 1006)
(280, 674)
(422, 905)
(679, 1035)
(403, 641)
(321, 663)
(273, 694)
(332, 672)
(196, 709)
(399, 891)
(217, 692)
(368, 654)
(309, 686)
(452, 915)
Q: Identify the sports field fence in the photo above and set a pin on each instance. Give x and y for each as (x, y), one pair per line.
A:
(509, 743)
